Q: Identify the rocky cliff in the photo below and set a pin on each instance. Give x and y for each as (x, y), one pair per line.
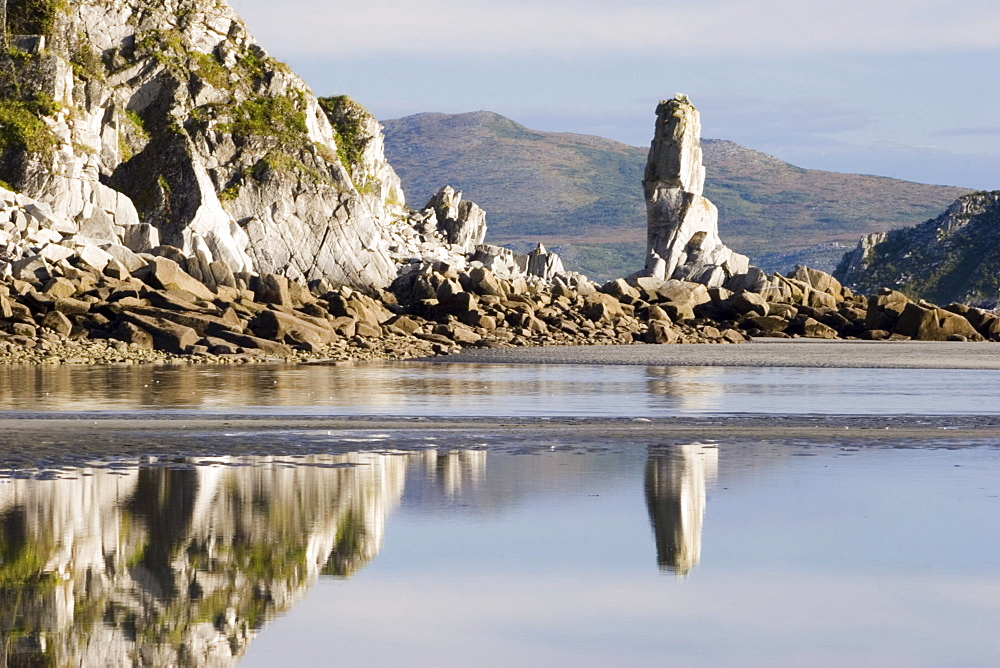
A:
(952, 258)
(148, 123)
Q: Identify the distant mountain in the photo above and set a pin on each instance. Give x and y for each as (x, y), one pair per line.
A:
(952, 258)
(583, 195)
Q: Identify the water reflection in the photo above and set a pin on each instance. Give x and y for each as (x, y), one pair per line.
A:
(423, 389)
(676, 482)
(181, 562)
(179, 566)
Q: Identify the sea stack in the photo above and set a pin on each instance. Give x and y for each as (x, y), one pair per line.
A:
(683, 225)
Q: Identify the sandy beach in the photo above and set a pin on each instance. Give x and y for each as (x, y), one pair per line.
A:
(757, 353)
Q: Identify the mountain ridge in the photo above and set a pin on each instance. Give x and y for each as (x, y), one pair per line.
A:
(582, 193)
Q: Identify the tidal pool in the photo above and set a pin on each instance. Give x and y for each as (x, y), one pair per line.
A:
(456, 552)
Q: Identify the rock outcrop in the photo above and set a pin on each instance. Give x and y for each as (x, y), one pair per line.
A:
(462, 222)
(683, 226)
(952, 258)
(169, 114)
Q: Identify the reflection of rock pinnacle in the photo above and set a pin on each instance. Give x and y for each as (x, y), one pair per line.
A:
(675, 495)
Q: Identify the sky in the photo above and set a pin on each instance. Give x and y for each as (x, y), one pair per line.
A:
(902, 88)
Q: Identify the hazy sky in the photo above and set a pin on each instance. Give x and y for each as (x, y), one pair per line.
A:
(904, 88)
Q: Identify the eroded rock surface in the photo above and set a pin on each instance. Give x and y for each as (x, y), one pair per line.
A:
(170, 114)
(683, 225)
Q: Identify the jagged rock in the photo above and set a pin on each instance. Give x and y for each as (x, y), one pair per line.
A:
(543, 264)
(683, 235)
(462, 222)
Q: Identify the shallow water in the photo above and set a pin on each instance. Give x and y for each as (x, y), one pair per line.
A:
(457, 390)
(534, 544)
(742, 552)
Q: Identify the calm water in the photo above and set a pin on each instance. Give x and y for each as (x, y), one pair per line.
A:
(419, 389)
(401, 548)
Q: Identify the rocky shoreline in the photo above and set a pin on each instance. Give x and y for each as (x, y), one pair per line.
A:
(109, 305)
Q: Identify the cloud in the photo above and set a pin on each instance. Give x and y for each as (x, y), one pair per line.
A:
(983, 131)
(664, 29)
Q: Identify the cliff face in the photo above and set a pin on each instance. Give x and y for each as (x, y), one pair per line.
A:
(120, 112)
(952, 258)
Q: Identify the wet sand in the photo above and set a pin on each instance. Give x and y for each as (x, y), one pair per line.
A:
(46, 446)
(758, 353)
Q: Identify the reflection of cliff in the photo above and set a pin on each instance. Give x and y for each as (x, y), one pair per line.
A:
(676, 479)
(179, 566)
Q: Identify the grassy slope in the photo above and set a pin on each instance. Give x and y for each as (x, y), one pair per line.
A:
(583, 194)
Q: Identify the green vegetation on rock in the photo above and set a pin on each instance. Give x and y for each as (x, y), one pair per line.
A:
(280, 117)
(952, 258)
(33, 17)
(22, 127)
(348, 120)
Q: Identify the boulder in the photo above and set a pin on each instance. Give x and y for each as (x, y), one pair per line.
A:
(272, 289)
(927, 323)
(818, 280)
(484, 282)
(166, 274)
(543, 264)
(281, 326)
(621, 290)
(91, 256)
(129, 332)
(600, 307)
(661, 331)
(59, 287)
(141, 238)
(167, 336)
(58, 323)
(884, 309)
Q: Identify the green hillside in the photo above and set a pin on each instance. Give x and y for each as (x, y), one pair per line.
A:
(952, 258)
(583, 195)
